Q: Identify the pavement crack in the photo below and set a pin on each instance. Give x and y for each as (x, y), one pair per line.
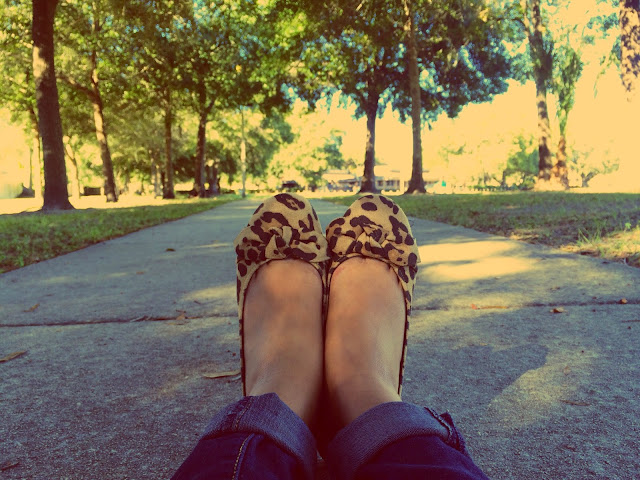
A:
(480, 306)
(141, 319)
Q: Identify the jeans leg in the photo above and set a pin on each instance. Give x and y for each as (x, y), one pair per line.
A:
(256, 437)
(401, 440)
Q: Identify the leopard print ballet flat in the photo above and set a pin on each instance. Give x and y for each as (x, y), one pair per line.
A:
(374, 226)
(283, 227)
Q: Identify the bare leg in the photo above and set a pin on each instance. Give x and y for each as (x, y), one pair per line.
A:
(364, 337)
(283, 347)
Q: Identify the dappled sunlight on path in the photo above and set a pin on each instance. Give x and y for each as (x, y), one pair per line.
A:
(534, 395)
(450, 262)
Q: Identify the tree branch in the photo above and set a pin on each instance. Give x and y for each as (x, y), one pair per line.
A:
(526, 22)
(75, 84)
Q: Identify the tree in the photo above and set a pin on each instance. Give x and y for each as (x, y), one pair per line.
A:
(541, 55)
(158, 54)
(416, 183)
(630, 46)
(265, 135)
(354, 50)
(91, 37)
(568, 68)
(262, 57)
(139, 145)
(208, 67)
(358, 49)
(56, 195)
(591, 161)
(555, 66)
(522, 162)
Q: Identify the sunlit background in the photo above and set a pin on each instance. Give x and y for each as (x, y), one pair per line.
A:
(459, 155)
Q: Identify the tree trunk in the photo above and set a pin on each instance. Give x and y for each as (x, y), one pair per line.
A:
(586, 178)
(101, 135)
(368, 183)
(167, 188)
(213, 180)
(503, 180)
(155, 173)
(630, 46)
(56, 195)
(416, 184)
(75, 174)
(243, 155)
(560, 172)
(35, 164)
(542, 69)
(545, 162)
(201, 151)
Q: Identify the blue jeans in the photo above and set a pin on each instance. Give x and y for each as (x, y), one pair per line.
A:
(261, 438)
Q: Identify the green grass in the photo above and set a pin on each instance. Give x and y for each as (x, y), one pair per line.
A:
(32, 237)
(604, 225)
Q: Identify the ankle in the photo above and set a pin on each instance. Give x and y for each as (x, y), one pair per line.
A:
(356, 394)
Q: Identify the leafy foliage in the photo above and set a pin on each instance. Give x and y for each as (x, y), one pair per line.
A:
(358, 49)
(16, 81)
(315, 150)
(265, 135)
(567, 64)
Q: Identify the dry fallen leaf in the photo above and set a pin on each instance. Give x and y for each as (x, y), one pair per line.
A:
(230, 373)
(32, 309)
(623, 301)
(13, 355)
(141, 272)
(180, 320)
(557, 310)
(171, 249)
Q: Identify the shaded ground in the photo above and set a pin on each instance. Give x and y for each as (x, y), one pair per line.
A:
(119, 338)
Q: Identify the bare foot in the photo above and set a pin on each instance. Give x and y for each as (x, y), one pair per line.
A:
(283, 349)
(364, 337)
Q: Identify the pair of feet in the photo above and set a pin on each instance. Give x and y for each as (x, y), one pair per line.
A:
(358, 355)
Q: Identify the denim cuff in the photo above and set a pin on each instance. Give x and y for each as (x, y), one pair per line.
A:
(269, 416)
(383, 425)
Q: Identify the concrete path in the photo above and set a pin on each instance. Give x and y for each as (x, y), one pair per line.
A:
(120, 337)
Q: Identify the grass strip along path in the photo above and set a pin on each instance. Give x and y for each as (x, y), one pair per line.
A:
(598, 224)
(28, 238)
